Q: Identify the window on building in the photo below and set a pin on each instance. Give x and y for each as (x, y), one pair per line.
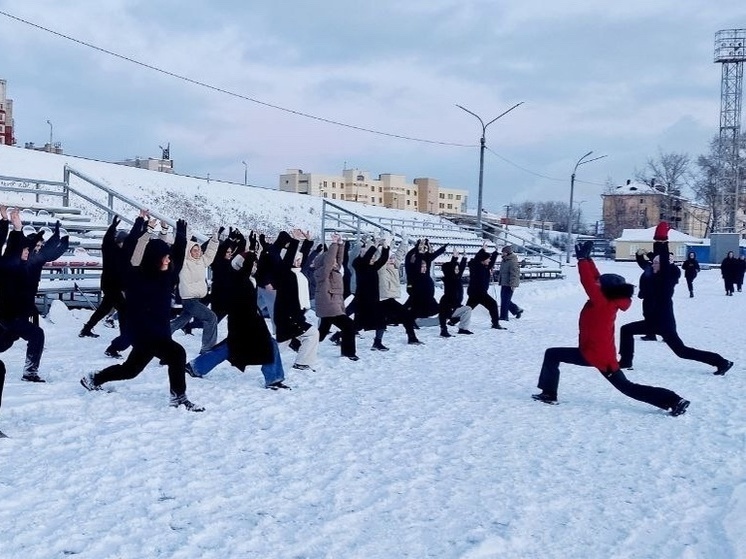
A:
(341, 196)
(372, 188)
(409, 202)
(372, 199)
(450, 206)
(441, 196)
(441, 205)
(458, 196)
(324, 184)
(334, 196)
(380, 189)
(408, 192)
(450, 196)
(325, 195)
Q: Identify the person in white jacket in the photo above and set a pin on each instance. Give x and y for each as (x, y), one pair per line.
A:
(193, 287)
(389, 289)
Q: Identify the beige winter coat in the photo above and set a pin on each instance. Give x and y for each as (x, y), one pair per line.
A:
(389, 278)
(329, 286)
(193, 275)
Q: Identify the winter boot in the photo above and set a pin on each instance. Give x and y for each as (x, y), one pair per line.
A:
(33, 376)
(86, 332)
(464, 331)
(182, 400)
(88, 382)
(444, 333)
(723, 368)
(378, 346)
(679, 408)
(277, 385)
(113, 353)
(546, 397)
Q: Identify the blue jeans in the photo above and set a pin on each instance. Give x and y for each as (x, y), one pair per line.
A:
(206, 362)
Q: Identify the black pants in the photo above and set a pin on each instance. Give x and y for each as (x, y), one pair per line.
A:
(487, 302)
(122, 341)
(690, 285)
(550, 372)
(112, 299)
(395, 313)
(347, 327)
(2, 381)
(21, 328)
(672, 339)
(166, 350)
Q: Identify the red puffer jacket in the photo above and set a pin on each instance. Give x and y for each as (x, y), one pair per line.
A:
(596, 338)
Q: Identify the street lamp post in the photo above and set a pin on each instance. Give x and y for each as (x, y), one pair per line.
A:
(51, 134)
(581, 161)
(245, 173)
(481, 157)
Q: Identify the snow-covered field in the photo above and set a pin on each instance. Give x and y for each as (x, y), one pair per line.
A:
(427, 451)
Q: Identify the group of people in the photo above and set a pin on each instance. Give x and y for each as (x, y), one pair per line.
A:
(610, 293)
(21, 265)
(352, 285)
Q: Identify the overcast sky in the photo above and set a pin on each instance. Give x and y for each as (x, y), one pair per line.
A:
(622, 79)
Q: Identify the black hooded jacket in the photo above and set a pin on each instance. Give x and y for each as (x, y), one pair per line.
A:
(148, 291)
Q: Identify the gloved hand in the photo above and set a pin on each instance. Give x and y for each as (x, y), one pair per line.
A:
(115, 221)
(252, 241)
(181, 228)
(640, 252)
(220, 231)
(583, 250)
(661, 232)
(57, 227)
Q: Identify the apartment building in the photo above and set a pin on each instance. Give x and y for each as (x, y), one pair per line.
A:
(6, 116)
(388, 190)
(637, 205)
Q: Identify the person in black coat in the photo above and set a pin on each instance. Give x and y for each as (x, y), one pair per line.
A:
(691, 269)
(114, 266)
(662, 277)
(19, 281)
(269, 259)
(148, 291)
(249, 341)
(368, 312)
(452, 311)
(729, 271)
(480, 275)
(292, 301)
(222, 272)
(645, 292)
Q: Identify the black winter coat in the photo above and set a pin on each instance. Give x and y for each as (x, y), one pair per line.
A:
(453, 287)
(690, 267)
(289, 317)
(249, 340)
(659, 290)
(368, 315)
(480, 275)
(148, 292)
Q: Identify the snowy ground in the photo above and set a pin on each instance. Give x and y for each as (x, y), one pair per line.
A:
(429, 451)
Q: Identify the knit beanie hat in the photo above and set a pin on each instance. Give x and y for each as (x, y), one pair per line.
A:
(614, 286)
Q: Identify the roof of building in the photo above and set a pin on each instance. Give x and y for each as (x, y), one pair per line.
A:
(646, 235)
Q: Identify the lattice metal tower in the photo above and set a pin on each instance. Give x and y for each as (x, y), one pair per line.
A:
(730, 51)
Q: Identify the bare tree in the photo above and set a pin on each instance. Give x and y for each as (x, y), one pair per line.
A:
(672, 170)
